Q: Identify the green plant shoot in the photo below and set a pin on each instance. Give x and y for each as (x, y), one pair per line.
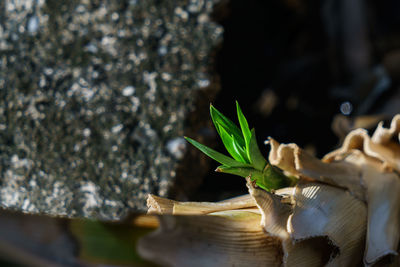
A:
(246, 159)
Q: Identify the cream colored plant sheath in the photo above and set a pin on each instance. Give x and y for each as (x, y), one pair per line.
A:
(344, 211)
(233, 238)
(319, 213)
(159, 205)
(378, 161)
(296, 161)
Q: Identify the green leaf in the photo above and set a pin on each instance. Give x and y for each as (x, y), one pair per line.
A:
(232, 147)
(243, 172)
(221, 158)
(241, 151)
(274, 178)
(220, 121)
(254, 175)
(243, 125)
(256, 158)
(247, 158)
(270, 179)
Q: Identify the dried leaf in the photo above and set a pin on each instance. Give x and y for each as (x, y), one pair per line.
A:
(277, 211)
(274, 213)
(296, 161)
(326, 211)
(232, 238)
(159, 205)
(384, 145)
(383, 198)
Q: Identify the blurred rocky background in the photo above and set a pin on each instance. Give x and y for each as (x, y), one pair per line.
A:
(95, 96)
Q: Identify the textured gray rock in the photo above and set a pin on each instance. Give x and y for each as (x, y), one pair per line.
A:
(93, 95)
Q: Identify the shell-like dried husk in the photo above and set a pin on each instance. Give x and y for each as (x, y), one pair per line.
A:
(376, 159)
(296, 161)
(159, 205)
(383, 135)
(384, 144)
(312, 252)
(383, 197)
(284, 156)
(323, 210)
(274, 213)
(229, 238)
(319, 212)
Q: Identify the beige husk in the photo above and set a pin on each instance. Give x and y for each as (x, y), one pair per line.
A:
(383, 197)
(296, 161)
(319, 211)
(275, 211)
(229, 238)
(326, 211)
(378, 159)
(159, 205)
(383, 145)
(344, 211)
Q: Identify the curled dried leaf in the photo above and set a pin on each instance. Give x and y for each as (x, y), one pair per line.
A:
(312, 252)
(383, 198)
(383, 135)
(326, 211)
(293, 159)
(384, 145)
(274, 212)
(378, 161)
(277, 211)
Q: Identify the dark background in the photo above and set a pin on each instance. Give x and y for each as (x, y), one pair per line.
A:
(307, 62)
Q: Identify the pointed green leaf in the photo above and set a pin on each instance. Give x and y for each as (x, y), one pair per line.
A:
(254, 174)
(241, 151)
(221, 158)
(243, 172)
(220, 121)
(243, 125)
(231, 145)
(256, 158)
(271, 178)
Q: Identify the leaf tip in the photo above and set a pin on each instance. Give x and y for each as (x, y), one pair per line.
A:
(211, 107)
